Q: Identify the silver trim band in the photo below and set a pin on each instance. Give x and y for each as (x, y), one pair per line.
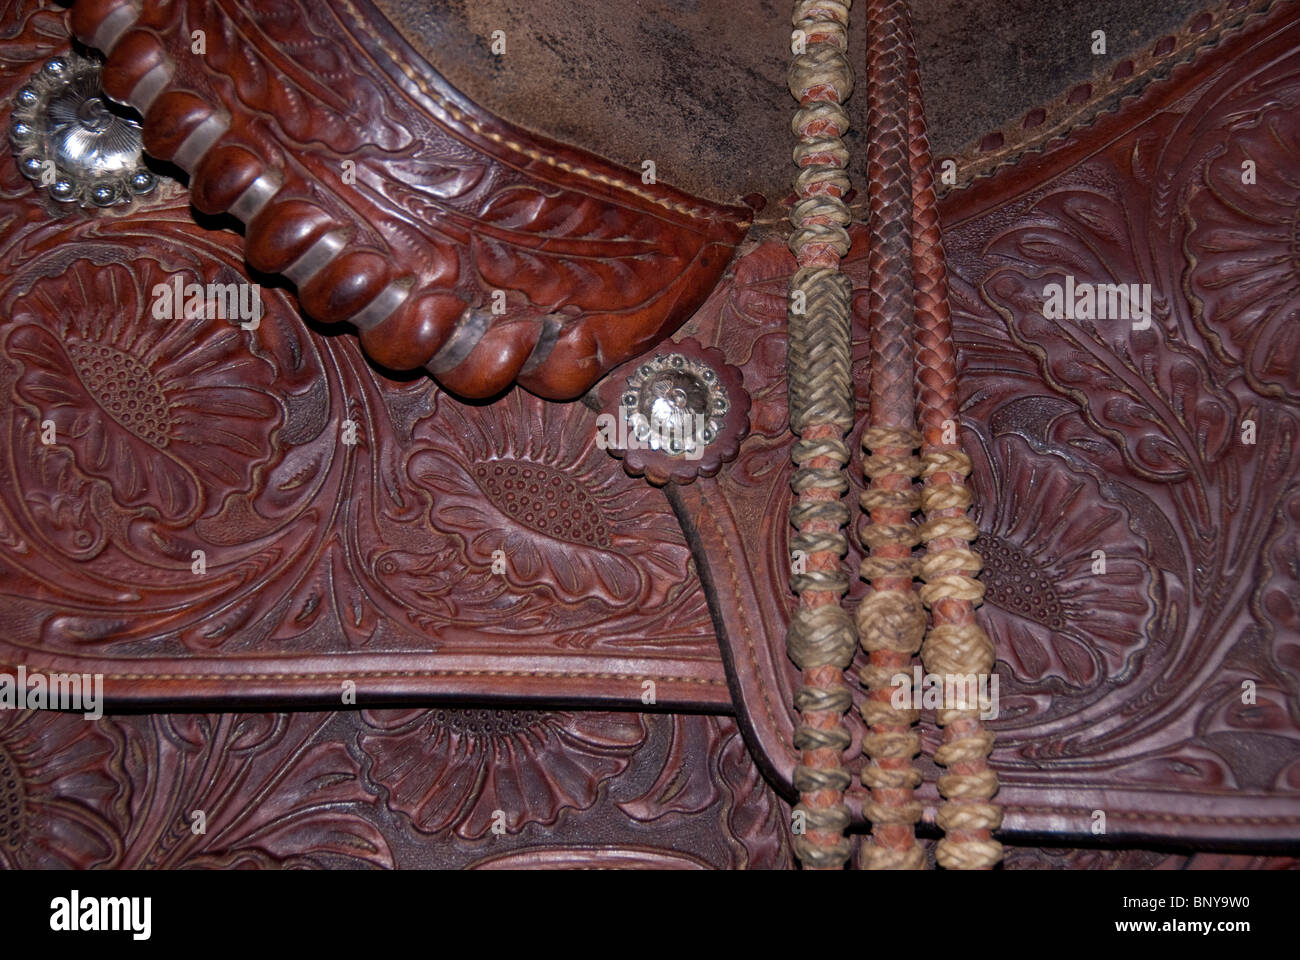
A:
(316, 258)
(256, 196)
(551, 326)
(113, 26)
(147, 88)
(469, 330)
(201, 139)
(382, 307)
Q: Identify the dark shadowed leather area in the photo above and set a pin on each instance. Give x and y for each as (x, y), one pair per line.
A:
(699, 86)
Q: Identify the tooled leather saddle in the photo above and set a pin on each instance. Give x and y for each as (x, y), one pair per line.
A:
(429, 483)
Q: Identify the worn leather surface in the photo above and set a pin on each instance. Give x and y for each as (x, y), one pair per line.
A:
(699, 85)
(328, 562)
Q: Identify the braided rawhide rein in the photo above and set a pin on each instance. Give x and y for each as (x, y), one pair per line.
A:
(911, 337)
(954, 643)
(821, 639)
(891, 620)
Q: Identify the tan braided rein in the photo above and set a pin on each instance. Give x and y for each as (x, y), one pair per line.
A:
(821, 639)
(913, 383)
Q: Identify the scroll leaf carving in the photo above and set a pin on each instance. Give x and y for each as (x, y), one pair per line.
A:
(1091, 439)
(363, 140)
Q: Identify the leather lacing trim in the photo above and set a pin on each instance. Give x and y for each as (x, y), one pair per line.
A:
(1082, 105)
(397, 674)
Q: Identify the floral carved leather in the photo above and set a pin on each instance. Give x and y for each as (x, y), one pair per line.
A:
(372, 562)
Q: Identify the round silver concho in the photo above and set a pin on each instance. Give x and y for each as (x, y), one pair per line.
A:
(68, 141)
(675, 404)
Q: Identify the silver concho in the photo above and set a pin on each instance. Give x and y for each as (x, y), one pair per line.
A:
(674, 404)
(67, 140)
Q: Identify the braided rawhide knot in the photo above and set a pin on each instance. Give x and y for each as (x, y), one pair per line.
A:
(876, 857)
(959, 527)
(821, 639)
(824, 223)
(826, 116)
(970, 817)
(823, 206)
(876, 677)
(966, 750)
(814, 151)
(878, 498)
(815, 699)
(817, 179)
(832, 448)
(874, 712)
(814, 541)
(876, 437)
(894, 744)
(881, 533)
(812, 779)
(877, 465)
(968, 855)
(821, 482)
(833, 512)
(817, 738)
(969, 786)
(821, 636)
(823, 845)
(891, 624)
(956, 586)
(904, 814)
(947, 496)
(934, 563)
(955, 462)
(891, 620)
(889, 568)
(829, 581)
(826, 17)
(957, 649)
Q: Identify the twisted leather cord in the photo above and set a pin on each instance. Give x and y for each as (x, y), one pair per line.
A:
(954, 644)
(891, 620)
(820, 639)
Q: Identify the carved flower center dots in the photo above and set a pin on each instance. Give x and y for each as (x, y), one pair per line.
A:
(125, 388)
(488, 723)
(12, 802)
(1018, 584)
(544, 500)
